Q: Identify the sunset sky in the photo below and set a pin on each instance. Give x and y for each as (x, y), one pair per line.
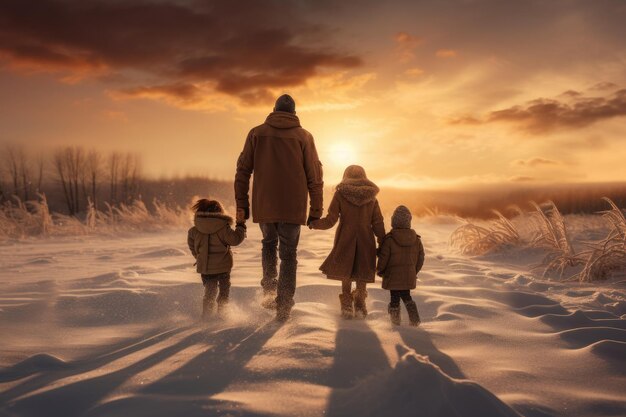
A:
(421, 93)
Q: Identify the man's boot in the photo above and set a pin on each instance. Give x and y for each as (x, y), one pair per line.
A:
(283, 310)
(269, 293)
(360, 309)
(394, 314)
(269, 283)
(414, 316)
(347, 309)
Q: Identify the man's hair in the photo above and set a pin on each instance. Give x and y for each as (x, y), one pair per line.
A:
(285, 103)
(211, 206)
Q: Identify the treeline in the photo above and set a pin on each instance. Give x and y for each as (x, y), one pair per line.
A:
(478, 202)
(75, 179)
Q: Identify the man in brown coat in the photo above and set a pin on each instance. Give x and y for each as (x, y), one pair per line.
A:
(287, 170)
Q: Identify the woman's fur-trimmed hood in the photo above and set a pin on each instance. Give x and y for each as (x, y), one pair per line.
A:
(355, 187)
(208, 222)
(358, 192)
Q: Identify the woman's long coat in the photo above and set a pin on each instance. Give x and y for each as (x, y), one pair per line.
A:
(353, 255)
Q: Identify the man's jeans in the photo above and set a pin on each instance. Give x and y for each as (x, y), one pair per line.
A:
(288, 235)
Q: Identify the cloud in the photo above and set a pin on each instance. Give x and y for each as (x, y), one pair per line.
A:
(534, 162)
(604, 86)
(446, 53)
(413, 72)
(405, 46)
(547, 115)
(183, 92)
(243, 49)
(522, 178)
(116, 116)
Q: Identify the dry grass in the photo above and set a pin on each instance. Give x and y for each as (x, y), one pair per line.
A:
(551, 234)
(473, 239)
(19, 220)
(608, 255)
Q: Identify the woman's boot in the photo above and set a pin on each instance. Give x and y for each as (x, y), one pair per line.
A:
(414, 316)
(394, 314)
(347, 309)
(360, 309)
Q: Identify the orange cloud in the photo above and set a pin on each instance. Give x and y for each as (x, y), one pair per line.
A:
(545, 115)
(413, 72)
(446, 53)
(534, 162)
(405, 46)
(242, 50)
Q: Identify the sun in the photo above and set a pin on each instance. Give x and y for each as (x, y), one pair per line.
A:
(342, 154)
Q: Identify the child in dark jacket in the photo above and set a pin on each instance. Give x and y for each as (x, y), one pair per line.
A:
(401, 258)
(209, 242)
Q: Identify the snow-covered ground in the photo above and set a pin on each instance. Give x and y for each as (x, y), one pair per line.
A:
(109, 327)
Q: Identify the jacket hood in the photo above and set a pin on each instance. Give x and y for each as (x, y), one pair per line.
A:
(404, 237)
(358, 192)
(208, 223)
(282, 120)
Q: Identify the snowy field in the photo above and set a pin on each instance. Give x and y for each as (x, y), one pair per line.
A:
(102, 326)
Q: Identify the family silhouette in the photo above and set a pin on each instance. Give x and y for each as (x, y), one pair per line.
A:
(280, 157)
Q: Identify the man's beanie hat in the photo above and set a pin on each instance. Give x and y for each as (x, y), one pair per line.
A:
(285, 103)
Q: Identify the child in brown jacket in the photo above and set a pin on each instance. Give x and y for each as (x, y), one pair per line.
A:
(209, 242)
(401, 258)
(353, 257)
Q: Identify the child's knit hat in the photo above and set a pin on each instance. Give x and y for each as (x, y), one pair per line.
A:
(401, 218)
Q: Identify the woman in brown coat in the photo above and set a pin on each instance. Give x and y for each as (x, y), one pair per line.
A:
(353, 257)
(401, 258)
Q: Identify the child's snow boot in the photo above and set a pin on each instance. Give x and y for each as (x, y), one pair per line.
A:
(360, 309)
(414, 316)
(394, 315)
(347, 309)
(222, 308)
(269, 300)
(207, 308)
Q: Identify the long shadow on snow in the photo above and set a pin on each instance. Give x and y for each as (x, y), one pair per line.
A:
(187, 390)
(213, 370)
(77, 398)
(358, 355)
(80, 366)
(420, 341)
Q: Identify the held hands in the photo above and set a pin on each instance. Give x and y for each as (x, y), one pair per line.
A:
(310, 220)
(243, 214)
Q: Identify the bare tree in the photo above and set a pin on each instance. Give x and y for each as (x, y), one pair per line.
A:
(60, 166)
(93, 170)
(124, 176)
(12, 165)
(24, 173)
(70, 166)
(19, 167)
(76, 166)
(113, 167)
(40, 164)
(3, 189)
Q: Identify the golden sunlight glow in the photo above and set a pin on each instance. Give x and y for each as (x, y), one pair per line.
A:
(342, 154)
